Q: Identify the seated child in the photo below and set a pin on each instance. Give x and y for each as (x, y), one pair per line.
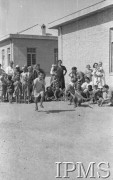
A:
(4, 87)
(10, 88)
(106, 98)
(38, 90)
(97, 93)
(84, 87)
(49, 94)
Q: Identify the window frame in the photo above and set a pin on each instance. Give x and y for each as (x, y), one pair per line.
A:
(31, 51)
(3, 57)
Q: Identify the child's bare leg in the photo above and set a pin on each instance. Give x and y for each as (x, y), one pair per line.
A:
(36, 103)
(2, 98)
(10, 97)
(42, 99)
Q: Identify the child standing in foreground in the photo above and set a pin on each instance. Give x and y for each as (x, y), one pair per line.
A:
(39, 91)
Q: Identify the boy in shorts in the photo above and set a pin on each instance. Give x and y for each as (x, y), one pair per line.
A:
(39, 89)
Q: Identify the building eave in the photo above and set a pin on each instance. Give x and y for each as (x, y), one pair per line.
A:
(96, 8)
(26, 36)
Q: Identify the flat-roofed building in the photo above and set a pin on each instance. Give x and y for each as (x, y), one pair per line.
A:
(29, 50)
(86, 37)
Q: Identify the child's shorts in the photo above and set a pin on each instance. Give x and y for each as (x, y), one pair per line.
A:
(37, 96)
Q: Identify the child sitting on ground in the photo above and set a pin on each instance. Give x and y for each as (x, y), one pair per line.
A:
(106, 97)
(49, 94)
(10, 88)
(38, 90)
(97, 93)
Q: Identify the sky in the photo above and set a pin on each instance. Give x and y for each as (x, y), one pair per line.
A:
(17, 15)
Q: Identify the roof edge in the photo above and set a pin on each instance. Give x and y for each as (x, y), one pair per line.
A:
(98, 7)
(27, 36)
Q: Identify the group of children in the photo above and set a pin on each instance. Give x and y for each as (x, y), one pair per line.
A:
(87, 86)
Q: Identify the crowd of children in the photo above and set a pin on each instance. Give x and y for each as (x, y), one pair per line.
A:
(28, 85)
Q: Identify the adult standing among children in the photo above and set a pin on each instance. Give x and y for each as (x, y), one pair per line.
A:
(9, 69)
(61, 72)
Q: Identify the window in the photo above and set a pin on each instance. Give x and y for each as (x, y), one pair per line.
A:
(8, 55)
(3, 58)
(31, 56)
(55, 55)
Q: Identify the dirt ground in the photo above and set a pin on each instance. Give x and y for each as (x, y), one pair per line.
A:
(31, 142)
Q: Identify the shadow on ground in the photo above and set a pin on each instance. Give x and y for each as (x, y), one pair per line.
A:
(58, 111)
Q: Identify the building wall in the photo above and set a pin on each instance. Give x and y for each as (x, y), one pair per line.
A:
(44, 52)
(4, 46)
(87, 41)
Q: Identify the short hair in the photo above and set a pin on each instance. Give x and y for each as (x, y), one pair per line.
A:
(74, 68)
(60, 60)
(94, 65)
(106, 86)
(90, 88)
(9, 77)
(87, 78)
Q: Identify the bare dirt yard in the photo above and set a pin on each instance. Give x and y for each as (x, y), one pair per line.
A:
(31, 142)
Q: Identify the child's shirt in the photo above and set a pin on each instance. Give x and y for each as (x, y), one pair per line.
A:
(85, 85)
(38, 87)
(3, 81)
(88, 73)
(53, 71)
(30, 78)
(24, 77)
(55, 84)
(106, 95)
(10, 86)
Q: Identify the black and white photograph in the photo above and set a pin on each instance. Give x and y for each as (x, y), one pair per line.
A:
(56, 89)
